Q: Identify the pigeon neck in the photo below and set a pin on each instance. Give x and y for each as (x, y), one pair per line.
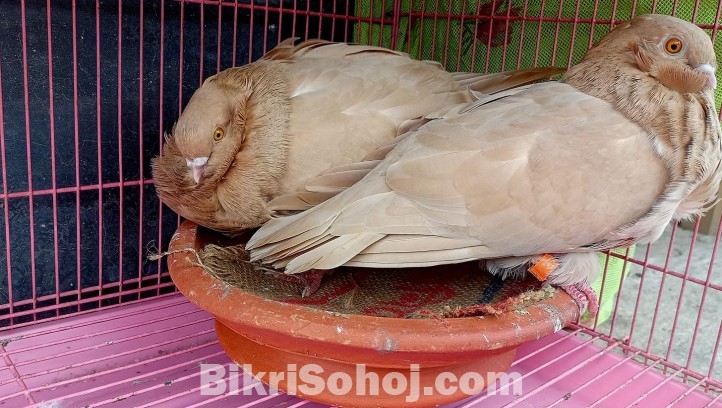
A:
(671, 118)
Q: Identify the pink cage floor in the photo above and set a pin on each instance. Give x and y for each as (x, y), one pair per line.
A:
(148, 353)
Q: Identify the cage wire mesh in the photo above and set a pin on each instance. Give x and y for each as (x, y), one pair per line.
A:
(89, 87)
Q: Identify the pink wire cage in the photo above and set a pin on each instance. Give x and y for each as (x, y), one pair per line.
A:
(88, 88)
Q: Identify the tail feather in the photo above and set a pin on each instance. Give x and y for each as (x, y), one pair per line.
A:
(332, 254)
(305, 225)
(336, 182)
(380, 152)
(412, 243)
(287, 254)
(492, 83)
(366, 164)
(323, 187)
(419, 258)
(282, 232)
(300, 201)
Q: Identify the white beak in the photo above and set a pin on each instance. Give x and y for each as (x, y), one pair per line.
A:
(708, 70)
(197, 166)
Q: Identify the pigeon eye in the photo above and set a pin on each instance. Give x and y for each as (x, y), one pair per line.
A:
(673, 45)
(218, 134)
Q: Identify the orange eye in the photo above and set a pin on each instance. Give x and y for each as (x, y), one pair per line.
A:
(218, 134)
(673, 45)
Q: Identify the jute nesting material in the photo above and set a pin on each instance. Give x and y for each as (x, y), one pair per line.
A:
(442, 291)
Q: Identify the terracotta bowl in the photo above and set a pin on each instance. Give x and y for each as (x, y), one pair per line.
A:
(270, 334)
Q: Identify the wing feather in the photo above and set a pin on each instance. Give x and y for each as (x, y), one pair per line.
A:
(490, 182)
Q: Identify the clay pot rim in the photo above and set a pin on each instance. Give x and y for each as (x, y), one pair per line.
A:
(263, 316)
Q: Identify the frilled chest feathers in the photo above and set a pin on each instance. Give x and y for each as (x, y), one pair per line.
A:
(220, 164)
(242, 109)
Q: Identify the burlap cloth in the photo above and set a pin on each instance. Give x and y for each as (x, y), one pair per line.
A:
(442, 291)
